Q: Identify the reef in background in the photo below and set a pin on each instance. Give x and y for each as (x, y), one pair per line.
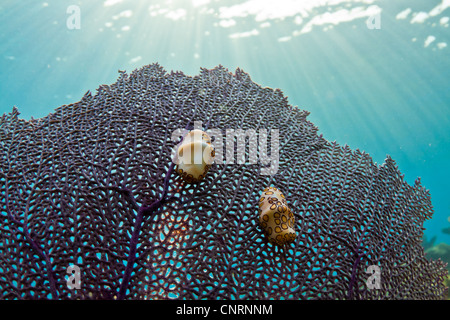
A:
(80, 187)
(439, 251)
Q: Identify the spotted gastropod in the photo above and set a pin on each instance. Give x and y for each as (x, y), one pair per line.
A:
(276, 218)
(195, 156)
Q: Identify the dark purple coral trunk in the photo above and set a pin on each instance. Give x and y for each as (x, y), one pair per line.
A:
(92, 184)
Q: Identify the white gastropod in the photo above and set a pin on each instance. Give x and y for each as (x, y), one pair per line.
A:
(195, 156)
(276, 218)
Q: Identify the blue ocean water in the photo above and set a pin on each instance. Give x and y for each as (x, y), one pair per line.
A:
(373, 73)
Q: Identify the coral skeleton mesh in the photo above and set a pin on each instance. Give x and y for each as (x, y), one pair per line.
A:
(93, 185)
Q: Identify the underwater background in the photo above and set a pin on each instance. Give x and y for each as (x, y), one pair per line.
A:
(374, 74)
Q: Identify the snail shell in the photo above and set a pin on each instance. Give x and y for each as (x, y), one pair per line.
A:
(195, 156)
(276, 218)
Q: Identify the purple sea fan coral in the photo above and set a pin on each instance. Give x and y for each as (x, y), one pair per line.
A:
(93, 185)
